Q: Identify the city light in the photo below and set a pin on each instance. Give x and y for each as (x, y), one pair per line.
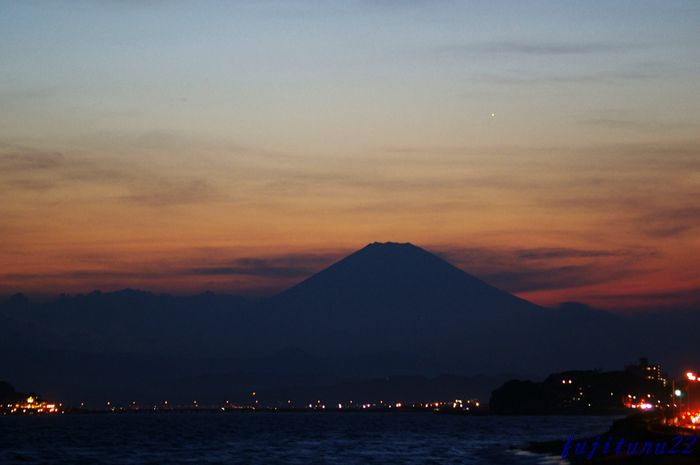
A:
(691, 376)
(677, 392)
(30, 406)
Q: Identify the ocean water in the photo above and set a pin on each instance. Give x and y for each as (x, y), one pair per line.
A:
(283, 438)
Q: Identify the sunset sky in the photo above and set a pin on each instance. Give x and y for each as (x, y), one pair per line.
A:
(549, 148)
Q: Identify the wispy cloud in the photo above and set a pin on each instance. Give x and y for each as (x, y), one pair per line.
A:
(501, 256)
(199, 268)
(31, 168)
(538, 269)
(562, 252)
(540, 48)
(17, 162)
(690, 294)
(27, 169)
(166, 192)
(610, 77)
(632, 125)
(284, 266)
(669, 222)
(674, 299)
(558, 277)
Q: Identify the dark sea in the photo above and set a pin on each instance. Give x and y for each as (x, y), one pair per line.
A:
(283, 438)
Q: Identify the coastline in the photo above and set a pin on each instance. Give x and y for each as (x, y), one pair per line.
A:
(636, 439)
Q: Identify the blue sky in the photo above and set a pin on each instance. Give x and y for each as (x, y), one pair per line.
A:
(136, 131)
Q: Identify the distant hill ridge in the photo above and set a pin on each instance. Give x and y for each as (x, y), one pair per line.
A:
(386, 298)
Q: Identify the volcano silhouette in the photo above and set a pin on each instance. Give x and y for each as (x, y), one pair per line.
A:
(398, 280)
(399, 297)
